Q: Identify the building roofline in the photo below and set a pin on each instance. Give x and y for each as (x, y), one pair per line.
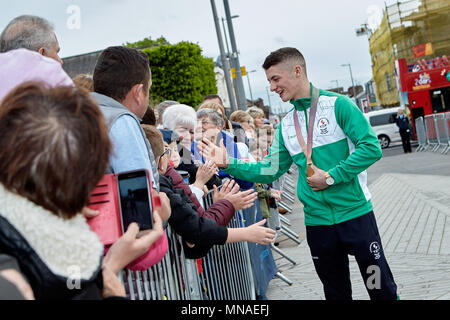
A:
(82, 54)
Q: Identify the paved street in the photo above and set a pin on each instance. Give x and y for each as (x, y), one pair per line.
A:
(411, 198)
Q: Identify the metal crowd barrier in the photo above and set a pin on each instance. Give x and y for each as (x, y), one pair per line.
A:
(287, 184)
(171, 279)
(421, 134)
(278, 222)
(433, 132)
(227, 272)
(442, 128)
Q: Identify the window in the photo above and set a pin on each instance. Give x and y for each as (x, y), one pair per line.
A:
(383, 119)
(440, 99)
(388, 81)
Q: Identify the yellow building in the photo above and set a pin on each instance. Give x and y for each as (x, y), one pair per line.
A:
(414, 30)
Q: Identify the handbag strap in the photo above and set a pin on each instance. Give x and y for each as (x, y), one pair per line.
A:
(307, 148)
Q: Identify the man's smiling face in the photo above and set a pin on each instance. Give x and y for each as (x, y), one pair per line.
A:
(283, 79)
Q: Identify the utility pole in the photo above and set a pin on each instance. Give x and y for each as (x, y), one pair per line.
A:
(337, 83)
(268, 96)
(226, 39)
(224, 59)
(239, 84)
(249, 86)
(353, 84)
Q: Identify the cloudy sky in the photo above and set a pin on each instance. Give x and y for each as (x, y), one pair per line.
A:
(323, 30)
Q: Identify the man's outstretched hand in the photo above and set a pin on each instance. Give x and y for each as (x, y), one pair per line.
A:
(210, 151)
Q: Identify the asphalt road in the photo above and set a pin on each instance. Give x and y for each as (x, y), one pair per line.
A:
(394, 160)
(396, 148)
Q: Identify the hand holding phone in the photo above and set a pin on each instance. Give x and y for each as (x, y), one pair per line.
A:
(132, 244)
(135, 199)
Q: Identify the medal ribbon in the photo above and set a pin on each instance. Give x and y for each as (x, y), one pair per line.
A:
(307, 148)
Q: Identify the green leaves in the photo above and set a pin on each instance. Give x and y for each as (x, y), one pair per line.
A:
(179, 71)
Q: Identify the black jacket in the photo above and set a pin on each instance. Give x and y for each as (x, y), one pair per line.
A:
(184, 221)
(60, 259)
(45, 284)
(402, 123)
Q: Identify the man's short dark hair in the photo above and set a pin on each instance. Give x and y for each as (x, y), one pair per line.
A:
(149, 117)
(118, 69)
(285, 55)
(212, 97)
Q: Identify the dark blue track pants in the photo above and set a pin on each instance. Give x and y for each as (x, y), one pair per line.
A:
(359, 237)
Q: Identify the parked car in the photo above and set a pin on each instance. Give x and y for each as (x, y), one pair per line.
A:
(384, 125)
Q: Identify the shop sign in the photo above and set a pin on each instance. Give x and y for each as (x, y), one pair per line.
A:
(423, 82)
(423, 50)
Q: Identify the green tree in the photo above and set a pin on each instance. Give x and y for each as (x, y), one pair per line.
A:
(179, 71)
(146, 43)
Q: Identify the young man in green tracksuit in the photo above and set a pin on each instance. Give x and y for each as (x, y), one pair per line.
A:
(338, 210)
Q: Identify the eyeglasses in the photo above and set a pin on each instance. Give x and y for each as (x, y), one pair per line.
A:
(205, 122)
(166, 151)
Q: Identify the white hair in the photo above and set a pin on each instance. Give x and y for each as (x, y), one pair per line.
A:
(28, 32)
(179, 114)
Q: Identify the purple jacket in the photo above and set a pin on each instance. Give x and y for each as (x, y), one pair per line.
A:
(22, 65)
(222, 211)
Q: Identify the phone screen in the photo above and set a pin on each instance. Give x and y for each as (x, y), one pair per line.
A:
(135, 201)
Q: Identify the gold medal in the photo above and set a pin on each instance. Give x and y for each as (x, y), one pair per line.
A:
(309, 171)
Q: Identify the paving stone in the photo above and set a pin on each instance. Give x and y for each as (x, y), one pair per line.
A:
(415, 232)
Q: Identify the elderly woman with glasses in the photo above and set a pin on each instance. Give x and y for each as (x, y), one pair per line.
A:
(210, 127)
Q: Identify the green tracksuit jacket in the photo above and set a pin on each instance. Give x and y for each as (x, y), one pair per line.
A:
(344, 144)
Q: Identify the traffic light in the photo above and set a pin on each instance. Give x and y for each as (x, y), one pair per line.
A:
(243, 71)
(233, 73)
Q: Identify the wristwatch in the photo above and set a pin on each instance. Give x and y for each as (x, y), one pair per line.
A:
(329, 179)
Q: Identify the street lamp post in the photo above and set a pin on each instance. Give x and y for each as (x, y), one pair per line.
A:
(225, 34)
(268, 96)
(225, 62)
(337, 83)
(249, 86)
(240, 92)
(353, 83)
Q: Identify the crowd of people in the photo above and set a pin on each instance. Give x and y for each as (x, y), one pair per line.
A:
(58, 138)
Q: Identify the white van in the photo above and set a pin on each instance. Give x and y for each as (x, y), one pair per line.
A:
(384, 125)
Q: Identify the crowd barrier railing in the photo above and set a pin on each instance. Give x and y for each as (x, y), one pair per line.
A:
(280, 223)
(227, 272)
(421, 134)
(433, 132)
(170, 279)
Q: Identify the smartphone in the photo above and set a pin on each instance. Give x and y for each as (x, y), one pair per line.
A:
(135, 199)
